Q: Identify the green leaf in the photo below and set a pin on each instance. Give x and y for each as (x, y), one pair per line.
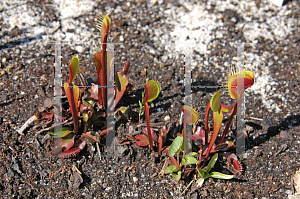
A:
(220, 175)
(200, 182)
(215, 102)
(171, 169)
(191, 154)
(175, 146)
(201, 172)
(177, 176)
(152, 90)
(212, 162)
(183, 147)
(63, 133)
(74, 65)
(189, 160)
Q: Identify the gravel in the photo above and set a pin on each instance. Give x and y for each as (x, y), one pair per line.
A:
(153, 35)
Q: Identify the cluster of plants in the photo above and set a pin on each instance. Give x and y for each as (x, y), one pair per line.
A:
(189, 152)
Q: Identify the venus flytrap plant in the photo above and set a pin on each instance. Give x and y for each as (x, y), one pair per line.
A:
(215, 105)
(101, 59)
(92, 115)
(218, 109)
(72, 91)
(67, 136)
(233, 78)
(152, 90)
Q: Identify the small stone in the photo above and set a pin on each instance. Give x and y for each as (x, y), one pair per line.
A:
(289, 192)
(135, 179)
(167, 117)
(152, 51)
(121, 38)
(164, 58)
(80, 49)
(3, 60)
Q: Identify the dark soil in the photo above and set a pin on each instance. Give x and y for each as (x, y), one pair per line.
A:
(27, 171)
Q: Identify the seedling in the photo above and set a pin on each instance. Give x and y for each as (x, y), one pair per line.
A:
(205, 173)
(176, 167)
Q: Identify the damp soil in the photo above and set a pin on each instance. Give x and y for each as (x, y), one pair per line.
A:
(28, 171)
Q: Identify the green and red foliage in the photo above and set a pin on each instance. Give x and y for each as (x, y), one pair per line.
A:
(207, 144)
(72, 91)
(101, 60)
(183, 159)
(84, 104)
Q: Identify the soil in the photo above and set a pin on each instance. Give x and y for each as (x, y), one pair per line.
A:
(28, 171)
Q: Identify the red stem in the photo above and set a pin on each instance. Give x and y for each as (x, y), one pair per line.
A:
(148, 125)
(103, 75)
(212, 140)
(206, 123)
(233, 112)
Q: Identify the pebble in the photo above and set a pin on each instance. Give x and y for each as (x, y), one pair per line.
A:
(289, 192)
(80, 49)
(167, 118)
